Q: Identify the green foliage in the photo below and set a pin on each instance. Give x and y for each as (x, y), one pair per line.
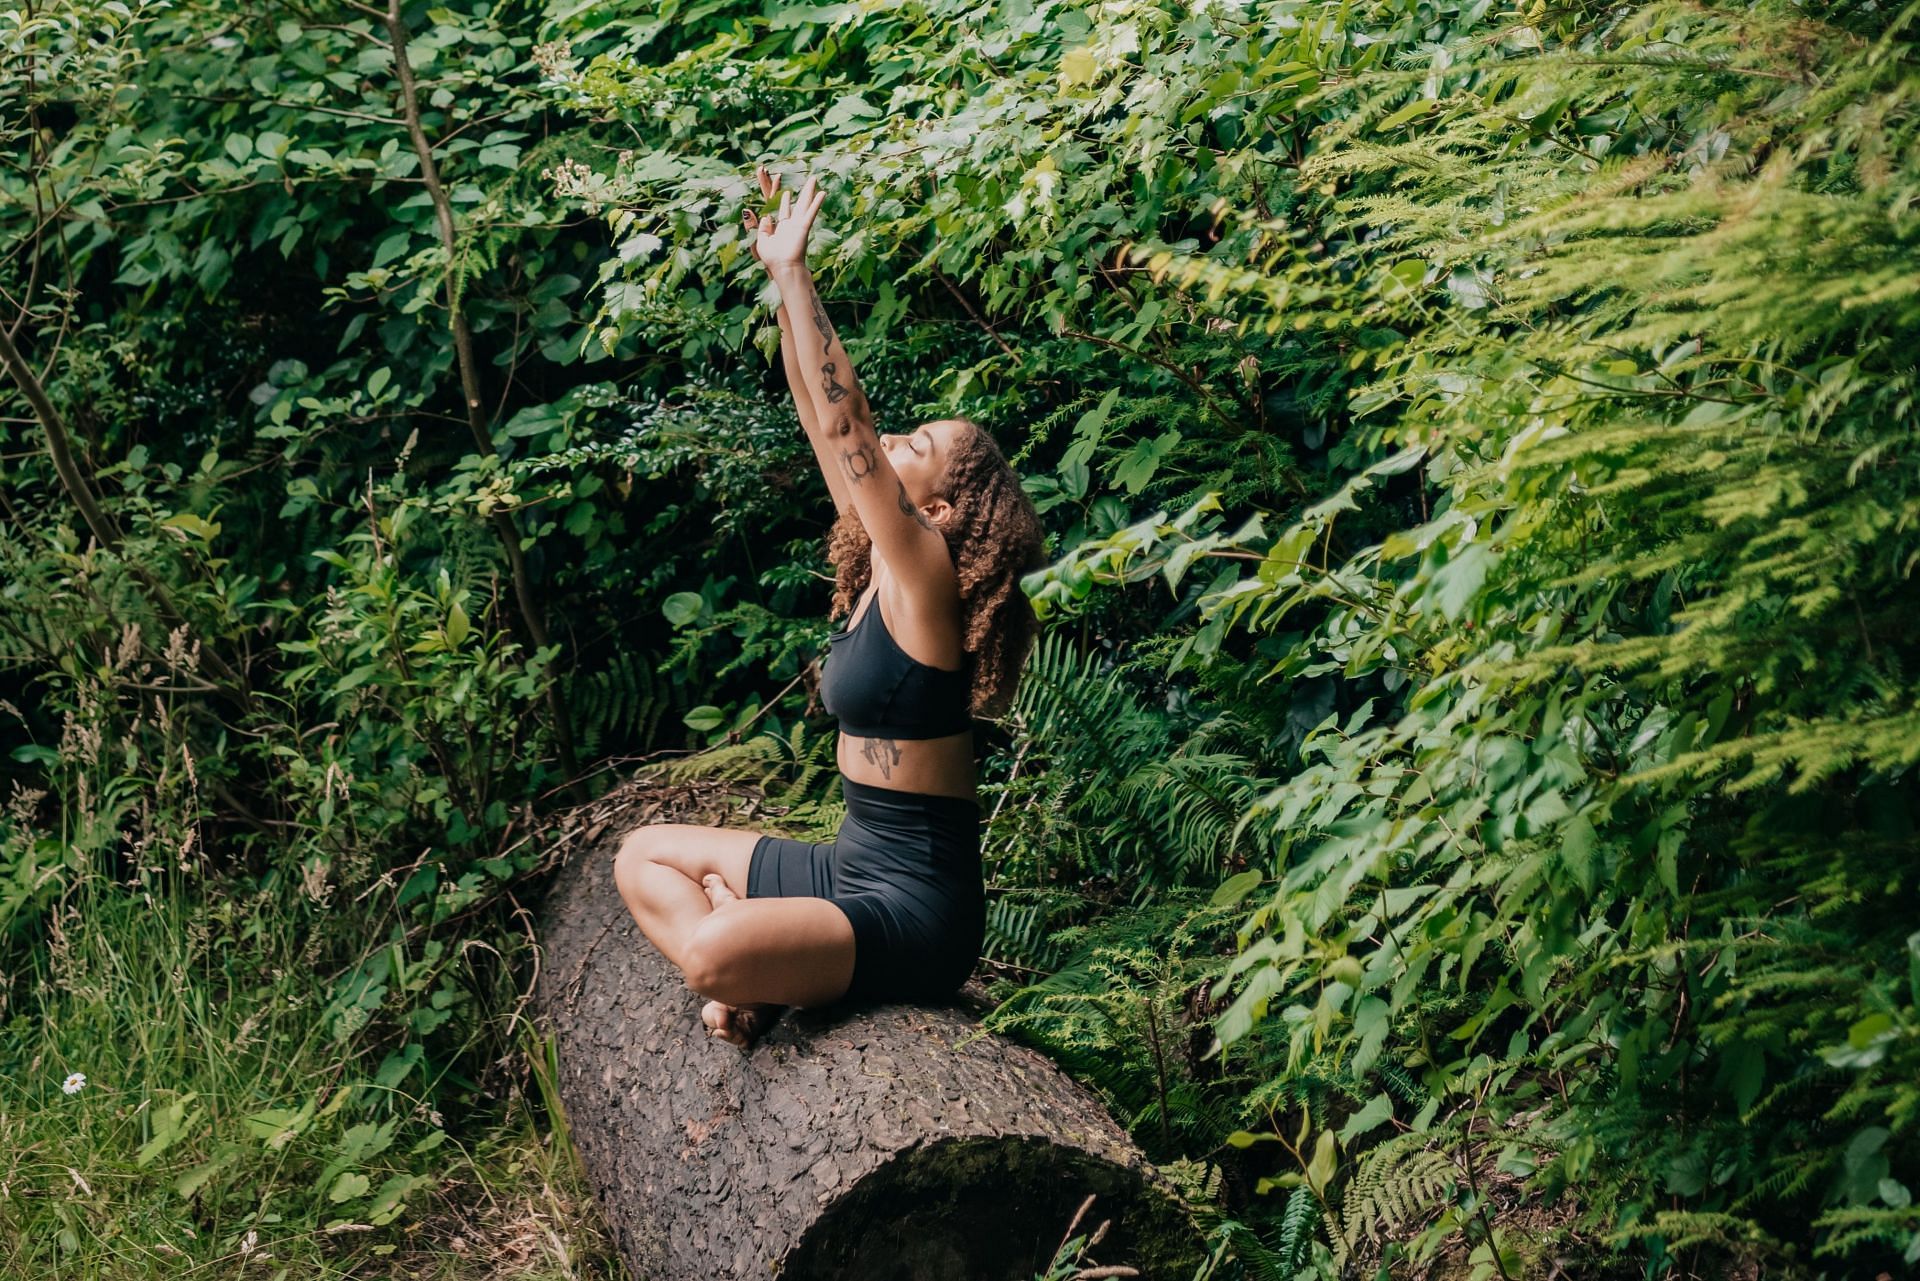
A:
(1516, 408)
(1164, 815)
(1631, 758)
(1113, 1014)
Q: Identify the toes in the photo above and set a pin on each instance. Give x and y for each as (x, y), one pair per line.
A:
(723, 1024)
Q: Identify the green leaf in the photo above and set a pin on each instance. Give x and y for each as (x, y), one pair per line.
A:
(388, 1201)
(193, 1180)
(1412, 111)
(1078, 67)
(1578, 841)
(1326, 1159)
(197, 526)
(1455, 585)
(1913, 967)
(1868, 1030)
(1236, 887)
(1687, 1174)
(682, 608)
(169, 1123)
(1377, 1112)
(704, 718)
(1249, 1007)
(393, 245)
(458, 625)
(348, 1186)
(1371, 1022)
(396, 1067)
(1405, 276)
(277, 1126)
(533, 420)
(1138, 467)
(846, 113)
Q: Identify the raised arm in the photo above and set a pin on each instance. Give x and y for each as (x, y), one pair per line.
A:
(900, 531)
(843, 430)
(803, 403)
(796, 380)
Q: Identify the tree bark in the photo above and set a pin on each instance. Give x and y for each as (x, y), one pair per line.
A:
(877, 1142)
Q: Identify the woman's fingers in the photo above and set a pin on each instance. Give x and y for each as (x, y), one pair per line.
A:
(808, 208)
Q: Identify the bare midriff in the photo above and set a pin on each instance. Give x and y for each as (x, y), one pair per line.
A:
(933, 766)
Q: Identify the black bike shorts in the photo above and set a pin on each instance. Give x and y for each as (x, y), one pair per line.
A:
(905, 868)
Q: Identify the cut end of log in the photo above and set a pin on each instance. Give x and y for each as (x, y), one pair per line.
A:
(986, 1209)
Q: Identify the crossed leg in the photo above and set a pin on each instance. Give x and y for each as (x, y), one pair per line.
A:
(737, 951)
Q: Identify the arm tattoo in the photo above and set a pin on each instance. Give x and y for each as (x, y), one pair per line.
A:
(820, 323)
(883, 752)
(859, 461)
(835, 392)
(907, 508)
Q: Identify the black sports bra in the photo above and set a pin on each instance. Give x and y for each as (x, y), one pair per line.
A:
(878, 690)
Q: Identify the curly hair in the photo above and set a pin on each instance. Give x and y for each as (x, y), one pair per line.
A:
(994, 536)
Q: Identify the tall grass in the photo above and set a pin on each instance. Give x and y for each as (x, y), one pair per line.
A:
(279, 1080)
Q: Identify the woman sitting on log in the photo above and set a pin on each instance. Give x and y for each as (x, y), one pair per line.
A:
(932, 536)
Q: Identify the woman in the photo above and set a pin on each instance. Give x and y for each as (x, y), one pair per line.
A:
(932, 536)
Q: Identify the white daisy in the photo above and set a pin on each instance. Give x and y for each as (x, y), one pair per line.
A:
(74, 1083)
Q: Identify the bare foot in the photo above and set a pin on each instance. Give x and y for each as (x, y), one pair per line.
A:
(717, 892)
(739, 1025)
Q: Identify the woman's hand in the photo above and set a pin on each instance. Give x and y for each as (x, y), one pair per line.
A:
(780, 239)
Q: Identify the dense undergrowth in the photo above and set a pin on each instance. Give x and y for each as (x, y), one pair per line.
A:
(1461, 815)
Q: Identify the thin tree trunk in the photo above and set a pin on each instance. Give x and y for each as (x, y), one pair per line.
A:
(531, 613)
(103, 527)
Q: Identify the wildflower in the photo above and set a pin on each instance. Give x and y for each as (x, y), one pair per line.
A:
(74, 1083)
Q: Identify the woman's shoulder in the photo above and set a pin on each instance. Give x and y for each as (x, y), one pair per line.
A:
(921, 593)
(928, 628)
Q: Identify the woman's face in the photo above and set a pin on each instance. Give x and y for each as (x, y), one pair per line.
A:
(920, 457)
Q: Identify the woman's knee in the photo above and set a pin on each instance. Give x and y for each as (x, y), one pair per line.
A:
(638, 849)
(712, 960)
(691, 850)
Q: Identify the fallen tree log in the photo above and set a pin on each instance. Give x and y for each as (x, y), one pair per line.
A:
(875, 1142)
